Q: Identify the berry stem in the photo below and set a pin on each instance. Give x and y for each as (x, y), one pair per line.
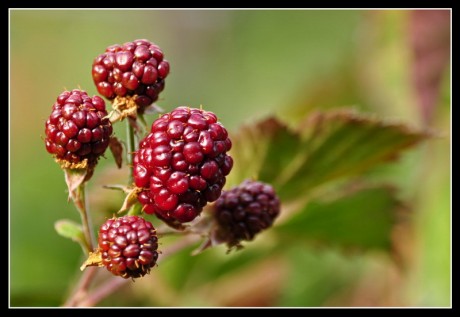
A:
(165, 230)
(79, 199)
(181, 244)
(130, 148)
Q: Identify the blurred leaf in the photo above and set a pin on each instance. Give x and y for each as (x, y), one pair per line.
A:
(329, 145)
(71, 230)
(266, 146)
(363, 218)
(316, 276)
(247, 143)
(343, 143)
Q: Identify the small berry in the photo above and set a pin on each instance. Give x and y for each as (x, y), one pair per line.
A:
(135, 69)
(128, 246)
(245, 210)
(77, 133)
(182, 164)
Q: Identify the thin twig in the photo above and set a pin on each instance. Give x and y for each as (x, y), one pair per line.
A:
(81, 289)
(89, 222)
(165, 230)
(103, 291)
(184, 242)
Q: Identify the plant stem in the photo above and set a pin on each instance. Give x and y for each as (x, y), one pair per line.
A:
(81, 204)
(102, 292)
(82, 287)
(130, 148)
(165, 230)
(183, 243)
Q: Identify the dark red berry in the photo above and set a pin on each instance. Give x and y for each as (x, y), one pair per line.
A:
(182, 164)
(245, 210)
(133, 69)
(128, 246)
(76, 129)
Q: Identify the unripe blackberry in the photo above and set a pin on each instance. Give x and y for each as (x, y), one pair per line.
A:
(181, 165)
(134, 70)
(128, 246)
(76, 132)
(244, 211)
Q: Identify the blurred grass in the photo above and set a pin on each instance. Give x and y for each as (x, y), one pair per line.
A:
(242, 65)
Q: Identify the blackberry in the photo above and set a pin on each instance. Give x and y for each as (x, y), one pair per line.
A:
(181, 164)
(133, 71)
(77, 133)
(244, 211)
(128, 246)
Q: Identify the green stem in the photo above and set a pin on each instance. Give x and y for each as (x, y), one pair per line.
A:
(130, 148)
(82, 207)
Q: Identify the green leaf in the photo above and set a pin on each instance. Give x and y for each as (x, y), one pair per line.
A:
(264, 148)
(344, 143)
(71, 230)
(327, 146)
(361, 219)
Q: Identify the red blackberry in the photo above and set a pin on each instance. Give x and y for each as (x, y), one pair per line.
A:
(128, 246)
(245, 210)
(76, 132)
(182, 164)
(133, 71)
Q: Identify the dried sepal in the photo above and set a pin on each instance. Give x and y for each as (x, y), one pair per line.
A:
(94, 259)
(74, 178)
(130, 199)
(116, 148)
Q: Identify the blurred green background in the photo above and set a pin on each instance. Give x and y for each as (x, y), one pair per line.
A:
(243, 65)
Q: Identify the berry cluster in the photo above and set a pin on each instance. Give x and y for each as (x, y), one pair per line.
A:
(182, 163)
(76, 132)
(245, 210)
(128, 246)
(178, 168)
(135, 69)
